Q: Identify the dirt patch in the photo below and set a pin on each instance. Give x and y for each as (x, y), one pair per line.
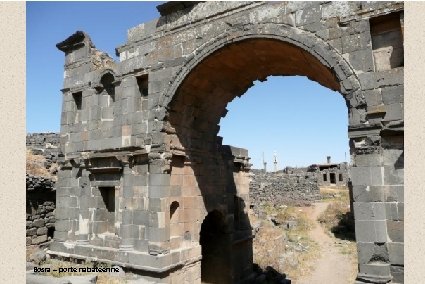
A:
(334, 234)
(282, 241)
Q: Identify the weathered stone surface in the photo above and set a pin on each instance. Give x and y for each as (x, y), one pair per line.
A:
(146, 135)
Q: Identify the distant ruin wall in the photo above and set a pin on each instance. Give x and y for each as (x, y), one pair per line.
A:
(42, 139)
(40, 206)
(282, 189)
(40, 191)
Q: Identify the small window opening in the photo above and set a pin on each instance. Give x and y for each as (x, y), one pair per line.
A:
(142, 83)
(332, 178)
(107, 82)
(325, 177)
(78, 99)
(173, 208)
(108, 196)
(340, 177)
(50, 232)
(387, 41)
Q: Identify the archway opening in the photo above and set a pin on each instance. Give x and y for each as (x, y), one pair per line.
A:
(215, 253)
(304, 124)
(215, 172)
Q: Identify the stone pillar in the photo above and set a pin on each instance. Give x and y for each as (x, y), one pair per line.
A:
(158, 230)
(126, 227)
(84, 215)
(377, 184)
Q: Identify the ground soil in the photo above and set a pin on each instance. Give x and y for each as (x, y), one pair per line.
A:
(332, 267)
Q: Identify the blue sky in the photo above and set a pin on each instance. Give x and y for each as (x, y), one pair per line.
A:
(299, 119)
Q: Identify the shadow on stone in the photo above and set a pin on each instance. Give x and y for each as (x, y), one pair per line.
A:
(344, 230)
(269, 276)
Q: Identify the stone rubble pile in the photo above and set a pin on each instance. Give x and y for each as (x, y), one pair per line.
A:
(40, 206)
(42, 140)
(40, 223)
(40, 191)
(279, 189)
(38, 183)
(45, 144)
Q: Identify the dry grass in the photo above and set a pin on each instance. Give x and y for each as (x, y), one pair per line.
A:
(289, 251)
(337, 218)
(35, 166)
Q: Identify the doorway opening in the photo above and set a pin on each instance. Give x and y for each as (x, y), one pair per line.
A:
(214, 243)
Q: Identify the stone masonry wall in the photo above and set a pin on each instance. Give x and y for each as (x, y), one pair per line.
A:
(164, 100)
(40, 140)
(282, 189)
(40, 191)
(40, 207)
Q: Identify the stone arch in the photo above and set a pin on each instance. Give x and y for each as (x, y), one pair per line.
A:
(307, 41)
(196, 100)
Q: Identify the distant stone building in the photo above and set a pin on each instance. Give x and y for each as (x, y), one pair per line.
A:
(330, 174)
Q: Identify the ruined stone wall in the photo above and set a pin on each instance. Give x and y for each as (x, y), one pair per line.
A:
(278, 189)
(40, 140)
(45, 144)
(40, 190)
(40, 206)
(163, 102)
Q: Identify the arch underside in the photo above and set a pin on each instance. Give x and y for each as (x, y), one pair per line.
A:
(215, 173)
(201, 99)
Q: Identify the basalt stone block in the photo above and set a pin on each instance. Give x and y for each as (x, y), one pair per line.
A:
(96, 241)
(140, 217)
(128, 191)
(60, 236)
(367, 175)
(361, 60)
(365, 193)
(394, 112)
(392, 94)
(39, 239)
(32, 232)
(141, 245)
(100, 227)
(364, 252)
(394, 193)
(371, 231)
(158, 234)
(83, 250)
(393, 157)
(377, 272)
(127, 216)
(396, 230)
(113, 243)
(364, 160)
(129, 231)
(100, 214)
(122, 256)
(39, 223)
(397, 272)
(141, 259)
(369, 211)
(396, 253)
(42, 231)
(157, 191)
(392, 209)
(393, 176)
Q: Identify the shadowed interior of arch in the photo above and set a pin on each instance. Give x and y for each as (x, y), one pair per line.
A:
(230, 71)
(193, 120)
